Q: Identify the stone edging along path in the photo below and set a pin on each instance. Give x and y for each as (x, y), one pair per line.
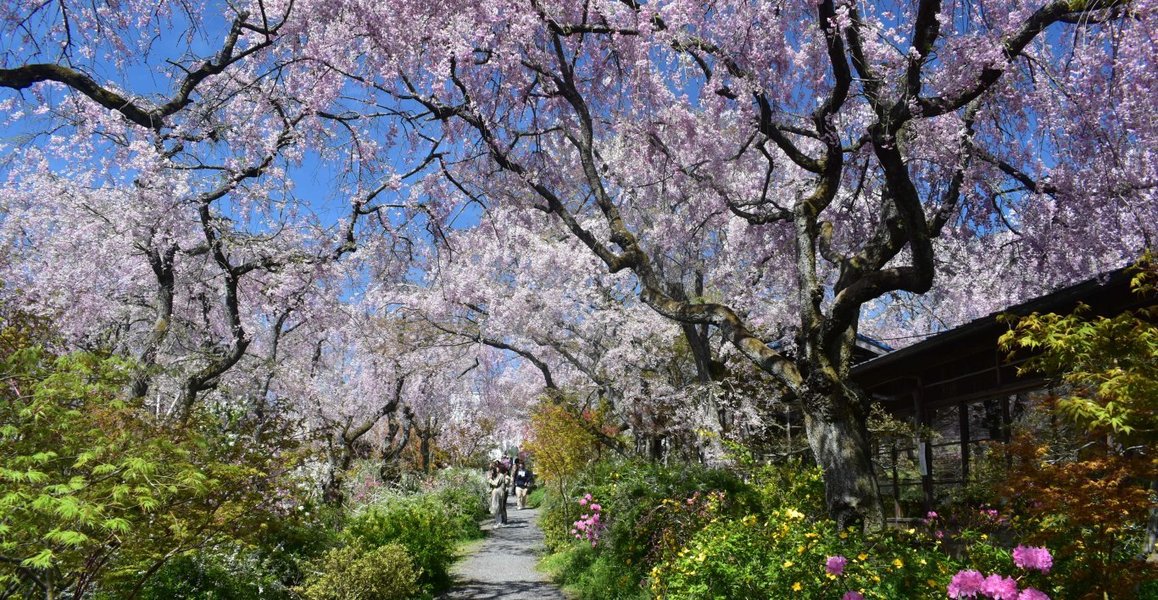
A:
(504, 565)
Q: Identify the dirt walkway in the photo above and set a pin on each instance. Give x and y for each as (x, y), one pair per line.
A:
(504, 565)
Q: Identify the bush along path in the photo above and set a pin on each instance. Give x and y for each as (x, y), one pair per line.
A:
(504, 565)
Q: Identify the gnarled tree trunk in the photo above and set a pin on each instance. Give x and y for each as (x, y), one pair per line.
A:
(835, 430)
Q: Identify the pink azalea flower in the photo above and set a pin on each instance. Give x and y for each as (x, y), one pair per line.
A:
(1032, 594)
(852, 595)
(1000, 588)
(966, 584)
(1033, 558)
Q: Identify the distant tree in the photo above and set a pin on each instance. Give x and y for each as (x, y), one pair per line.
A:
(560, 444)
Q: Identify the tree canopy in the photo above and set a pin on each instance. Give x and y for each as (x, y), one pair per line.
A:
(253, 191)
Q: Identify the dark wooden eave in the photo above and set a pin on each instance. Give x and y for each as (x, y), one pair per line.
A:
(964, 364)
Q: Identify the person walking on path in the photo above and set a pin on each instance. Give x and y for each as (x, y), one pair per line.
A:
(498, 480)
(523, 479)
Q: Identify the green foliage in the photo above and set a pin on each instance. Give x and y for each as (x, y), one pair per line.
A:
(687, 532)
(229, 573)
(781, 545)
(785, 551)
(289, 555)
(269, 569)
(1109, 364)
(642, 516)
(465, 496)
(428, 525)
(536, 497)
(355, 573)
(302, 551)
(93, 489)
(590, 575)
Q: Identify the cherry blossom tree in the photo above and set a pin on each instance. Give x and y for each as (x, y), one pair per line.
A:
(766, 174)
(803, 160)
(162, 220)
(533, 292)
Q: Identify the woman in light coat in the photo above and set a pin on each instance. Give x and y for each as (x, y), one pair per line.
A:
(498, 480)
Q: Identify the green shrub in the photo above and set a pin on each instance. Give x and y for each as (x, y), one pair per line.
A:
(536, 497)
(287, 545)
(589, 575)
(97, 492)
(463, 507)
(647, 511)
(269, 567)
(355, 573)
(420, 524)
(231, 573)
(787, 552)
(687, 532)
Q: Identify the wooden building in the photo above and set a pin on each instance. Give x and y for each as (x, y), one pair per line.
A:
(960, 386)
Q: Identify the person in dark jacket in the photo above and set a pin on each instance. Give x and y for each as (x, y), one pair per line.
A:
(523, 479)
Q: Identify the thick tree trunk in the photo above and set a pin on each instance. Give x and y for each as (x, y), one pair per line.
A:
(1151, 552)
(839, 442)
(339, 461)
(424, 452)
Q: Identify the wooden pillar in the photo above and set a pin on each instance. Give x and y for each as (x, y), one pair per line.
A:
(1006, 420)
(896, 455)
(924, 451)
(963, 430)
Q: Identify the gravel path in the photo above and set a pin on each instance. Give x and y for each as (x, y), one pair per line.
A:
(504, 566)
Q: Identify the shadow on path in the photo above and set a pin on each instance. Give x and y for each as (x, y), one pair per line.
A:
(504, 566)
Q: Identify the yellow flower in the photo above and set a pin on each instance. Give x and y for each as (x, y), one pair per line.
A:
(800, 550)
(862, 556)
(788, 564)
(984, 536)
(843, 535)
(931, 583)
(898, 563)
(792, 513)
(796, 587)
(812, 535)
